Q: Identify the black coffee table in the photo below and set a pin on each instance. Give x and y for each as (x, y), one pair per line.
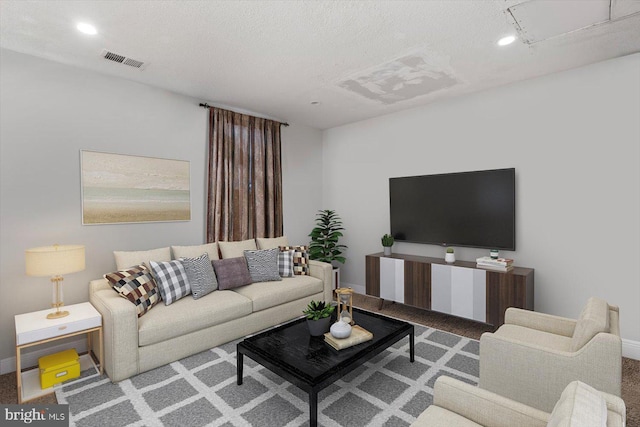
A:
(311, 364)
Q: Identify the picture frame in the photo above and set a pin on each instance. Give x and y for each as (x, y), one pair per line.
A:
(121, 189)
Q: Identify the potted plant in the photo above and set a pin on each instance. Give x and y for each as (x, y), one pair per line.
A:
(450, 256)
(387, 242)
(324, 244)
(324, 238)
(318, 317)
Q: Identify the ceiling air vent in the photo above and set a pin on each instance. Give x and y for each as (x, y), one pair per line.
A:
(121, 59)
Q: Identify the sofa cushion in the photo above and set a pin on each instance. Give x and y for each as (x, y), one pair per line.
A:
(137, 285)
(593, 320)
(200, 274)
(190, 315)
(580, 405)
(285, 263)
(236, 249)
(435, 416)
(300, 259)
(231, 272)
(271, 242)
(269, 294)
(211, 249)
(535, 337)
(126, 259)
(263, 265)
(171, 279)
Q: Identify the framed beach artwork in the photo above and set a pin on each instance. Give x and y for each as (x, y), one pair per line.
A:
(118, 188)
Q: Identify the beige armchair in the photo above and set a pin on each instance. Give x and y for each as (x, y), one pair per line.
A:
(533, 356)
(459, 404)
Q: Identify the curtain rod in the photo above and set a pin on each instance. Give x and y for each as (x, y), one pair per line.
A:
(205, 105)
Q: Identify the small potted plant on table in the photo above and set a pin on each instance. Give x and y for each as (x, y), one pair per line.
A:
(318, 317)
(387, 242)
(450, 256)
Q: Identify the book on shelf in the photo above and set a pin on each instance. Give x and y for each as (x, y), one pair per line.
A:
(494, 267)
(358, 335)
(497, 261)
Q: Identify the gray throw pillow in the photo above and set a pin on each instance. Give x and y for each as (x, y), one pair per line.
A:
(263, 265)
(231, 272)
(200, 274)
(171, 280)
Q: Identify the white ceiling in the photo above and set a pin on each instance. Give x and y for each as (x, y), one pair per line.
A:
(357, 59)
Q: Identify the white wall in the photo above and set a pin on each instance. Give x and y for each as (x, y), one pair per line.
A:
(574, 139)
(48, 113)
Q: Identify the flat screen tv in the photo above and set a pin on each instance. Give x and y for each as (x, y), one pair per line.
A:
(473, 209)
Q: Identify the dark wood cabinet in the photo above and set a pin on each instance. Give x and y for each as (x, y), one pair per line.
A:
(460, 288)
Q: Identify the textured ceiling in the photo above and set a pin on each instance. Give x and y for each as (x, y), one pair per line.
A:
(355, 59)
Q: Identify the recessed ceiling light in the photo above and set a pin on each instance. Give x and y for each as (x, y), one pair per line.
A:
(506, 40)
(87, 28)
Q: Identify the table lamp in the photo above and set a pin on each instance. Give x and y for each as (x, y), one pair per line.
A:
(55, 261)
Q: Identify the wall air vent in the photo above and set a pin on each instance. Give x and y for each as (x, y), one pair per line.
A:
(121, 59)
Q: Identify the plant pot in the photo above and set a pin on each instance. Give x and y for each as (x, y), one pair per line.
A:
(448, 257)
(319, 327)
(387, 250)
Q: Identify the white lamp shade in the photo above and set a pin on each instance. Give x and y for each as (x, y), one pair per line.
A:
(54, 260)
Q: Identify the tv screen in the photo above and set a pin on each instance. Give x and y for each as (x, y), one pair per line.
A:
(474, 209)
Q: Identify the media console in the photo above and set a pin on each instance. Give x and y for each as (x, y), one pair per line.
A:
(460, 288)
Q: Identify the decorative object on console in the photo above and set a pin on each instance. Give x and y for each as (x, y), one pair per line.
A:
(318, 317)
(498, 264)
(345, 304)
(387, 243)
(54, 261)
(325, 235)
(450, 256)
(120, 188)
(494, 253)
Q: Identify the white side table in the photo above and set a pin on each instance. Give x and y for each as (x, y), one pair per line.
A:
(35, 329)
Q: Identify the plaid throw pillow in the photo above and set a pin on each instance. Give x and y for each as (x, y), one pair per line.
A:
(300, 259)
(137, 285)
(202, 279)
(171, 279)
(285, 263)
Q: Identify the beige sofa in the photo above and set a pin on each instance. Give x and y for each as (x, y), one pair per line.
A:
(462, 405)
(165, 334)
(533, 356)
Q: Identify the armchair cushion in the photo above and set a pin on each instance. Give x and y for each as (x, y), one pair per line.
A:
(580, 405)
(535, 337)
(593, 320)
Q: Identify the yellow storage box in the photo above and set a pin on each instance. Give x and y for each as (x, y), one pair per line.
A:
(58, 367)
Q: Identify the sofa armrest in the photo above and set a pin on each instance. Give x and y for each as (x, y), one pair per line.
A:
(537, 375)
(616, 410)
(120, 331)
(542, 322)
(324, 272)
(484, 407)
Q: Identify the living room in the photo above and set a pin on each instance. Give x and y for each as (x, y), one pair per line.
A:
(573, 137)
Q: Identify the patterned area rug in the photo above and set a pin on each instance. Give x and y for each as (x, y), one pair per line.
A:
(201, 390)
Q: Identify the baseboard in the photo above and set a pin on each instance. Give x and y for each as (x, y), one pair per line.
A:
(631, 349)
(30, 359)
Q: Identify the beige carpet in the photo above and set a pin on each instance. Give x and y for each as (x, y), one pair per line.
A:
(467, 328)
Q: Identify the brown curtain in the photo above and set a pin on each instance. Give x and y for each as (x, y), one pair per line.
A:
(244, 199)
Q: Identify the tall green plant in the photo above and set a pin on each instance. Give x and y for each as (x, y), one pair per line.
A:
(324, 244)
